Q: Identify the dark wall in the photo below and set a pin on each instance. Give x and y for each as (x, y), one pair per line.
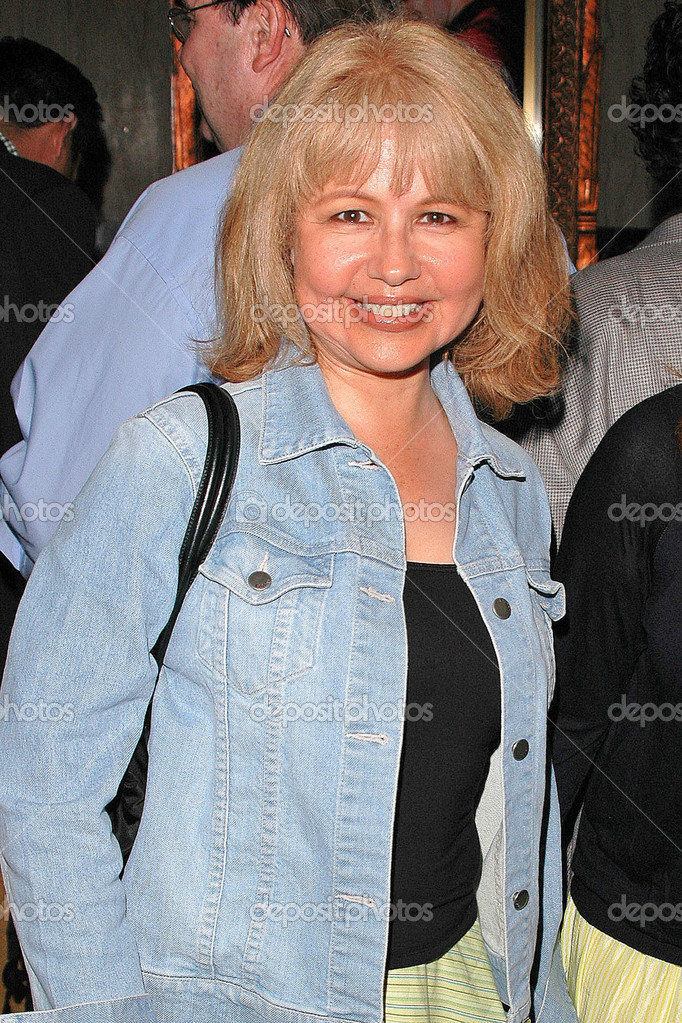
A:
(625, 190)
(124, 48)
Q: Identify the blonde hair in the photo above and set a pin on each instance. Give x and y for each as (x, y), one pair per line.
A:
(454, 118)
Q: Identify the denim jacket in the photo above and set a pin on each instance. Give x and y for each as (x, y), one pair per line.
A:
(258, 887)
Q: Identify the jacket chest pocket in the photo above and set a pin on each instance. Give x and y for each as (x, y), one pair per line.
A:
(275, 601)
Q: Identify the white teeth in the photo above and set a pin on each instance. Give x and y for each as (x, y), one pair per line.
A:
(402, 309)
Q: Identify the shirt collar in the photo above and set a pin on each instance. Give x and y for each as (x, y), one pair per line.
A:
(299, 416)
(9, 146)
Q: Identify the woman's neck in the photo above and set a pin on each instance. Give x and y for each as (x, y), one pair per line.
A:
(384, 412)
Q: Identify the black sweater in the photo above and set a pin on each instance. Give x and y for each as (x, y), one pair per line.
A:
(618, 736)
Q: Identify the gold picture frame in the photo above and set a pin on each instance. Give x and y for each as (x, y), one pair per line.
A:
(572, 55)
(186, 146)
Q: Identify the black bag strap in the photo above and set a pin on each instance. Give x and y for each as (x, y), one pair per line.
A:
(213, 494)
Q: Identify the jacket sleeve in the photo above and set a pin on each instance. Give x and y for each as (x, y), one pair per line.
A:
(78, 681)
(124, 342)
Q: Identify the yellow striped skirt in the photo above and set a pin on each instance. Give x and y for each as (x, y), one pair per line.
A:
(457, 988)
(610, 982)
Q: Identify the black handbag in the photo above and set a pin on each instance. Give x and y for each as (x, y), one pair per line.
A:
(213, 493)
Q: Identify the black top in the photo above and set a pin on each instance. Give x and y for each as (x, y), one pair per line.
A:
(452, 726)
(619, 665)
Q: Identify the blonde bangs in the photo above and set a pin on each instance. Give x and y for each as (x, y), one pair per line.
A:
(343, 124)
(450, 169)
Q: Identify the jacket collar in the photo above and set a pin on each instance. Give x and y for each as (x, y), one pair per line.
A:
(473, 441)
(299, 416)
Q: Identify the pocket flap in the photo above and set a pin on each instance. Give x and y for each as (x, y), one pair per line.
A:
(550, 594)
(259, 571)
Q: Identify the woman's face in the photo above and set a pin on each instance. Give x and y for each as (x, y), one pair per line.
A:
(384, 281)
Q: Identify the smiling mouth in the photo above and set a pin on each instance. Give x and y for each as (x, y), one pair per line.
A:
(391, 311)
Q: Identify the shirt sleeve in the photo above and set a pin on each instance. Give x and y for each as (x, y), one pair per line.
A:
(124, 342)
(78, 681)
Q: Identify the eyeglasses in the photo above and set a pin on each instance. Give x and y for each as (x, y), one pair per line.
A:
(181, 19)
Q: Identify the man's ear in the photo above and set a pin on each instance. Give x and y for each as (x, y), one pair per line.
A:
(60, 145)
(60, 136)
(273, 32)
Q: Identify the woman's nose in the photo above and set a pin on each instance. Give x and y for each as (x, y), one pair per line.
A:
(393, 258)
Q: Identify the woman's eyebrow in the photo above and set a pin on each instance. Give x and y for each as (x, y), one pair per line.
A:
(443, 200)
(353, 193)
(342, 193)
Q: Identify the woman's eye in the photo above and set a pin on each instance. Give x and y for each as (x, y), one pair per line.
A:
(436, 217)
(352, 217)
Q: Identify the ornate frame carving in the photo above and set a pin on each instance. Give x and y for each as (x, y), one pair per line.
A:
(573, 62)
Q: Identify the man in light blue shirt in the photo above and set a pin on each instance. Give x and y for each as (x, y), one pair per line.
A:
(137, 315)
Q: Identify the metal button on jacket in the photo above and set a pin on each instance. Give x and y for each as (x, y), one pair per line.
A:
(502, 607)
(260, 580)
(520, 749)
(520, 899)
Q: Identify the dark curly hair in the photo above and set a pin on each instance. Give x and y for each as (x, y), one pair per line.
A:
(659, 140)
